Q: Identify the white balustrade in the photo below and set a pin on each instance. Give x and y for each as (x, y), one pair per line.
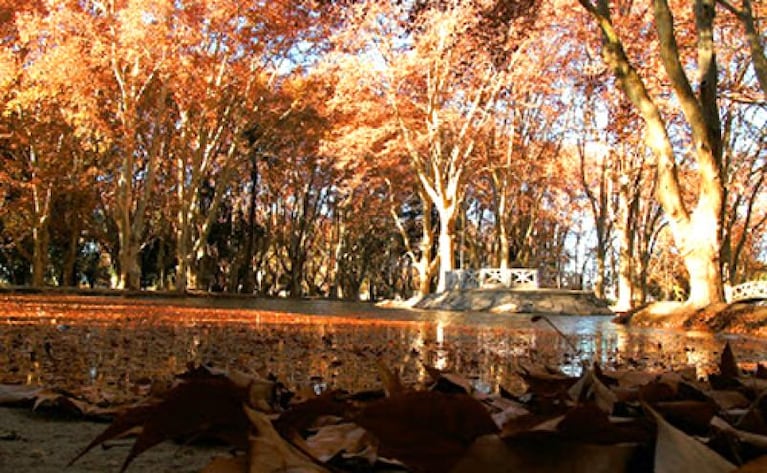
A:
(518, 278)
(751, 290)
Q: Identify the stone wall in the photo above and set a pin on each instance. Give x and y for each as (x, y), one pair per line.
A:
(509, 301)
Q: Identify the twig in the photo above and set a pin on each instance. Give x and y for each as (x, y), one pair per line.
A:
(536, 318)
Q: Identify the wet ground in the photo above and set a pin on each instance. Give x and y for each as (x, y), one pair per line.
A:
(115, 349)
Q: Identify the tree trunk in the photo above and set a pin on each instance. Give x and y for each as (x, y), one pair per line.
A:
(41, 199)
(182, 254)
(421, 259)
(182, 227)
(249, 276)
(425, 263)
(758, 58)
(161, 255)
(424, 275)
(625, 257)
(296, 279)
(194, 269)
(500, 192)
(445, 246)
(599, 280)
(130, 271)
(68, 271)
(40, 237)
(701, 259)
(336, 285)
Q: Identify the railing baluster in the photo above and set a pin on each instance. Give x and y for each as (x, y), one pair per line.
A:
(491, 277)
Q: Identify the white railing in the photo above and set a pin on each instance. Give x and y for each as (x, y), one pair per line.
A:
(751, 290)
(518, 278)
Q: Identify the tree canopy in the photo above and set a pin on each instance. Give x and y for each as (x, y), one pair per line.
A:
(353, 148)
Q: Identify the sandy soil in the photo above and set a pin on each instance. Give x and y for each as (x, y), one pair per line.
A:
(31, 442)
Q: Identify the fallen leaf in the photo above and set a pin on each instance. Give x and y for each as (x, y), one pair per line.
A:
(756, 440)
(236, 464)
(757, 465)
(301, 416)
(727, 400)
(63, 402)
(522, 424)
(447, 382)
(270, 453)
(390, 380)
(18, 394)
(591, 425)
(590, 388)
(676, 451)
(201, 406)
(544, 383)
(426, 430)
(692, 417)
(755, 418)
(490, 454)
(657, 391)
(728, 365)
(755, 386)
(332, 440)
(262, 393)
(506, 411)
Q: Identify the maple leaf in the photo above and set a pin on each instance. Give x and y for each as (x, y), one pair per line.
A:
(428, 431)
(199, 406)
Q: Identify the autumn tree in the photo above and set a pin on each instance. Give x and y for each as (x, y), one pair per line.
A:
(230, 63)
(696, 232)
(638, 220)
(47, 156)
(525, 175)
(747, 14)
(364, 138)
(744, 212)
(597, 178)
(440, 84)
(364, 245)
(302, 182)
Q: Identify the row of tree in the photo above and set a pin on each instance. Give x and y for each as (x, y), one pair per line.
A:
(322, 147)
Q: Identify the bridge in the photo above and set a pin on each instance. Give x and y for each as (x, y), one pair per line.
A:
(748, 291)
(517, 278)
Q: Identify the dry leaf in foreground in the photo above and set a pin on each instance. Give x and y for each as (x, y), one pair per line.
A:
(199, 406)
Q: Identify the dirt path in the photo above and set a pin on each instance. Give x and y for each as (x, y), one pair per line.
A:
(37, 443)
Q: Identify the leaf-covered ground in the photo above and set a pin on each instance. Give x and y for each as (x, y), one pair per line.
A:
(603, 421)
(737, 318)
(362, 394)
(113, 350)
